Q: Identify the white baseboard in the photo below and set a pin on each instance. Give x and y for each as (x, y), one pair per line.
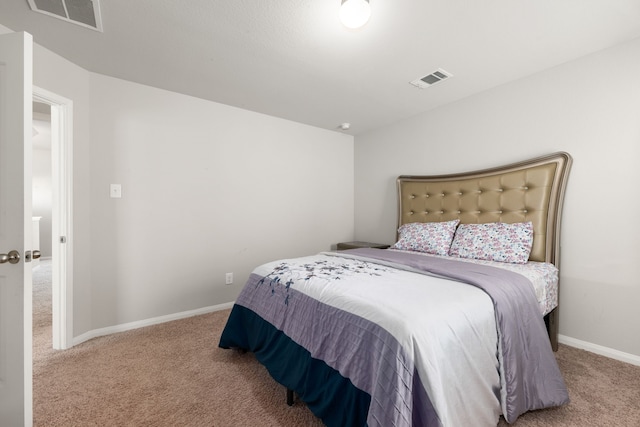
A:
(601, 350)
(148, 322)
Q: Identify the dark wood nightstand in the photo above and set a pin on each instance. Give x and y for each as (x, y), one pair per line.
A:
(343, 246)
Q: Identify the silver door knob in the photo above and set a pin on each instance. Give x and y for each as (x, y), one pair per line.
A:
(13, 257)
(35, 254)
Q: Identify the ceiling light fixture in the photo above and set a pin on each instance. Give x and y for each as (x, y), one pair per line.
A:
(355, 13)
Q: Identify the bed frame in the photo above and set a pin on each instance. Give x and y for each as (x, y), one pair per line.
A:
(531, 190)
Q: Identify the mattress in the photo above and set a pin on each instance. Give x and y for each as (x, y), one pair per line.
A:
(543, 277)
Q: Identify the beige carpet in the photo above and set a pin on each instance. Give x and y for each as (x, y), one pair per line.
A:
(175, 375)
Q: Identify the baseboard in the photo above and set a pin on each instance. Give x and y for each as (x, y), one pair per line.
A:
(601, 350)
(148, 322)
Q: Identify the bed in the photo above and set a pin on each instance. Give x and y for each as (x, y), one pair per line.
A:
(454, 325)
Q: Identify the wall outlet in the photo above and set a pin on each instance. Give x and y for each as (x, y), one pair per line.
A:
(228, 278)
(115, 190)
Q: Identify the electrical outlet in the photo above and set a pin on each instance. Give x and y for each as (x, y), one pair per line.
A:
(115, 190)
(228, 278)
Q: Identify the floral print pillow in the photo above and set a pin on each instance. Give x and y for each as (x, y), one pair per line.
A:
(495, 241)
(430, 237)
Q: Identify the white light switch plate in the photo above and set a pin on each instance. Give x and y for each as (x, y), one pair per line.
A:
(115, 191)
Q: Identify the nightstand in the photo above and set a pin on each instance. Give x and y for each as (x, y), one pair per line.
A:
(343, 246)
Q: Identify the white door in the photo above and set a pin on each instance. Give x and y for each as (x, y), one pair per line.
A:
(15, 229)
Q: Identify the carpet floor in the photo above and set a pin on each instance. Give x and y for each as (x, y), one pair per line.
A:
(174, 374)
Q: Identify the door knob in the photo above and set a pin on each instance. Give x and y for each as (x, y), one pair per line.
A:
(35, 254)
(13, 257)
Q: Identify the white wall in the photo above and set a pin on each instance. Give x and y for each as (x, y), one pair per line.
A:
(590, 108)
(41, 178)
(206, 189)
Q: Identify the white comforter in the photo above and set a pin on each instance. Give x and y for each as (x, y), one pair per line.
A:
(447, 327)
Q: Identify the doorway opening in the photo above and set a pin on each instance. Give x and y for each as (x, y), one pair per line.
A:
(41, 289)
(61, 126)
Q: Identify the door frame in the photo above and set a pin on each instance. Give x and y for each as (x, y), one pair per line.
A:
(61, 215)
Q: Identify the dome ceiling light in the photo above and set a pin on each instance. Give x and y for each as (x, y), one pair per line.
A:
(355, 13)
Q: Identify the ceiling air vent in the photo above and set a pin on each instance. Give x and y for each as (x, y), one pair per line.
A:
(81, 12)
(431, 79)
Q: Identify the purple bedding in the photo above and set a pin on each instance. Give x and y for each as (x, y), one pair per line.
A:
(530, 376)
(285, 307)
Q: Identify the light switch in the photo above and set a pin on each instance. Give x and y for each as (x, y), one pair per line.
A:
(116, 191)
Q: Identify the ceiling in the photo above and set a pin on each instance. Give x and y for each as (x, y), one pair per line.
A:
(293, 59)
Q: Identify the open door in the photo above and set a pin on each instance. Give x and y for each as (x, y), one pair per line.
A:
(15, 229)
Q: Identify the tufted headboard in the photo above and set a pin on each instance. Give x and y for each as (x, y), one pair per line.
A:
(532, 190)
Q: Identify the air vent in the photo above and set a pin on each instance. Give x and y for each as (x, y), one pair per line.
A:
(431, 79)
(82, 12)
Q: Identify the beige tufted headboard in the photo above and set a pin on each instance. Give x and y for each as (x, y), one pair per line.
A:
(532, 190)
